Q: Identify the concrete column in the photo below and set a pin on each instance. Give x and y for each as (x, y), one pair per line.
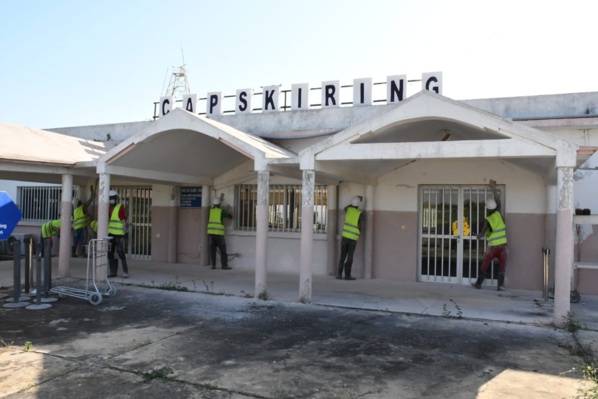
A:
(66, 238)
(261, 234)
(204, 250)
(331, 227)
(307, 235)
(565, 241)
(103, 218)
(368, 247)
(173, 225)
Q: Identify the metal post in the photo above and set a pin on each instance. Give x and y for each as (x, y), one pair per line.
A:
(546, 253)
(16, 301)
(47, 268)
(38, 288)
(16, 250)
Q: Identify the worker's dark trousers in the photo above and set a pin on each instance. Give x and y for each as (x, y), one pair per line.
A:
(218, 242)
(347, 250)
(117, 244)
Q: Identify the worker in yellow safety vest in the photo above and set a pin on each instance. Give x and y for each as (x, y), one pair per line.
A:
(351, 232)
(116, 230)
(495, 231)
(80, 223)
(216, 233)
(49, 229)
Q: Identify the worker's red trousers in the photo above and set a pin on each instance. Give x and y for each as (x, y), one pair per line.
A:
(499, 252)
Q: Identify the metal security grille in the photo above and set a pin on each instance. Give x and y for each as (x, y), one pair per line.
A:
(284, 209)
(450, 218)
(39, 203)
(138, 202)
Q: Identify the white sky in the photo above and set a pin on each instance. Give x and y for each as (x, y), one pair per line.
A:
(70, 63)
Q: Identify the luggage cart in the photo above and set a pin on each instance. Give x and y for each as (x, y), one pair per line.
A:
(97, 255)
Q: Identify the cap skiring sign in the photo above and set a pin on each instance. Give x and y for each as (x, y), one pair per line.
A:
(396, 91)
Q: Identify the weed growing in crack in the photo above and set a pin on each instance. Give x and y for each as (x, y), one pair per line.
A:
(28, 346)
(263, 295)
(448, 313)
(161, 373)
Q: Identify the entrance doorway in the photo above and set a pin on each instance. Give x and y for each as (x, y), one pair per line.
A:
(449, 219)
(138, 231)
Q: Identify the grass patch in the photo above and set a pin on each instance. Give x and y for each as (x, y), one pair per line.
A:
(161, 373)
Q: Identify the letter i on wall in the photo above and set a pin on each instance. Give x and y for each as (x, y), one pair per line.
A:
(299, 96)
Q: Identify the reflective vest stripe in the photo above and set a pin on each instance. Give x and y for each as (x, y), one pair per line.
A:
(351, 227)
(116, 226)
(80, 219)
(215, 225)
(498, 235)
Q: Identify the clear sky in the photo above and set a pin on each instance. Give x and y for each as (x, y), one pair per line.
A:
(71, 63)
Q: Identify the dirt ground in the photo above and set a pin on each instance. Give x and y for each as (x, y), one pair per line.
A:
(153, 343)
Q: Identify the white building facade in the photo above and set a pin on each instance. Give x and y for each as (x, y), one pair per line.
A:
(422, 164)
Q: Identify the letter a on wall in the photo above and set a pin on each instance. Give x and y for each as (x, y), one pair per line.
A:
(190, 102)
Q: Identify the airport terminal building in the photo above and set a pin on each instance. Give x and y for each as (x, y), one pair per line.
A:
(287, 162)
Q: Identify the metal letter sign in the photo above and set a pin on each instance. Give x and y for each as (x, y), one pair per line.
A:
(9, 215)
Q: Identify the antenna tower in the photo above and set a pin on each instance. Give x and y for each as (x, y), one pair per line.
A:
(178, 85)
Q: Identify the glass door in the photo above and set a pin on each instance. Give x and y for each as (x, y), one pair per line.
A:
(450, 218)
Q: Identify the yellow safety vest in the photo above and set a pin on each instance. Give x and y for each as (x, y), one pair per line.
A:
(51, 228)
(116, 227)
(498, 235)
(94, 226)
(351, 228)
(215, 225)
(80, 219)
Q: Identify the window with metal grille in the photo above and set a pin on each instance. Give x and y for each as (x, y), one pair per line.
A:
(39, 203)
(284, 208)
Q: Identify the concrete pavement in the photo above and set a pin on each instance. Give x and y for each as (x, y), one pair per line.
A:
(447, 302)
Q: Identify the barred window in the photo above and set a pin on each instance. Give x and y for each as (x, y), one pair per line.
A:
(284, 208)
(39, 203)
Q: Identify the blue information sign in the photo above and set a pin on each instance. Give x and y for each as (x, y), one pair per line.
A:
(9, 215)
(190, 197)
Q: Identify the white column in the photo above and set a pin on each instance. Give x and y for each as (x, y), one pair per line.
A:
(307, 234)
(332, 223)
(564, 245)
(66, 239)
(369, 232)
(173, 225)
(204, 250)
(261, 234)
(103, 217)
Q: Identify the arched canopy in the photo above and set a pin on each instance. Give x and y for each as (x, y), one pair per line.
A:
(430, 126)
(184, 148)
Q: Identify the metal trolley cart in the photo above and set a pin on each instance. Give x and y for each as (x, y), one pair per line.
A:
(97, 256)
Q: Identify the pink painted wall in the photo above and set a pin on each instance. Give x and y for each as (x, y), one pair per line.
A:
(395, 246)
(586, 280)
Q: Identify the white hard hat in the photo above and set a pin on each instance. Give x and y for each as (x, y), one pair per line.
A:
(113, 193)
(75, 202)
(216, 201)
(355, 201)
(490, 204)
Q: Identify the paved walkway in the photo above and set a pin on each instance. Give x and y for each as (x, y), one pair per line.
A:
(432, 299)
(514, 308)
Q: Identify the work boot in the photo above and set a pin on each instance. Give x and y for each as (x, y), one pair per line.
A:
(501, 282)
(480, 280)
(113, 266)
